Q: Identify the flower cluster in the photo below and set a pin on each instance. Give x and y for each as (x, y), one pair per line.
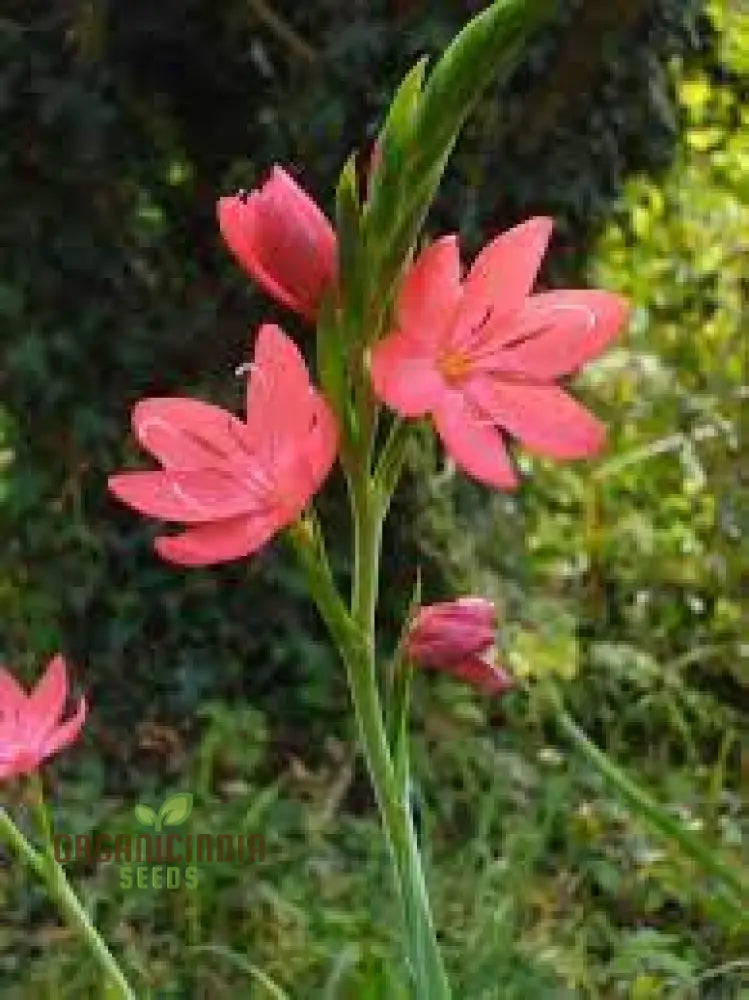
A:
(482, 356)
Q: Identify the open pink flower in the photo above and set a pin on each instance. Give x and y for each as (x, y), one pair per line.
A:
(454, 636)
(483, 356)
(234, 483)
(283, 240)
(30, 726)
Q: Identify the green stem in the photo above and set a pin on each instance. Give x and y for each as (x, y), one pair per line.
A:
(51, 874)
(427, 965)
(355, 638)
(661, 820)
(391, 459)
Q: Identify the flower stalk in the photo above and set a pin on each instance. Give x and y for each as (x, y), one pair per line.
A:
(52, 876)
(353, 631)
(427, 968)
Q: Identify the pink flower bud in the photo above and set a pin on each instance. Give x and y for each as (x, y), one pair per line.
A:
(283, 240)
(452, 635)
(450, 630)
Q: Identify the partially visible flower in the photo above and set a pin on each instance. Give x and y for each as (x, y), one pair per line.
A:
(30, 724)
(455, 636)
(234, 483)
(283, 240)
(483, 356)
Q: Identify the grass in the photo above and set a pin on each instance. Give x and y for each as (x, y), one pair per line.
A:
(543, 886)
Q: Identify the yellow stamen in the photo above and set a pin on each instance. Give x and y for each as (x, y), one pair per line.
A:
(454, 366)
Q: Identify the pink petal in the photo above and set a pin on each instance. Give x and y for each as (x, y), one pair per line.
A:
(239, 224)
(302, 464)
(291, 200)
(46, 702)
(404, 376)
(24, 762)
(322, 442)
(186, 433)
(430, 293)
(504, 273)
(67, 733)
(557, 332)
(474, 445)
(280, 396)
(452, 630)
(283, 240)
(486, 677)
(221, 541)
(296, 440)
(544, 417)
(12, 695)
(193, 497)
(236, 221)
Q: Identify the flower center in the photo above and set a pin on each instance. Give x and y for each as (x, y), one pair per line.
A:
(465, 350)
(454, 365)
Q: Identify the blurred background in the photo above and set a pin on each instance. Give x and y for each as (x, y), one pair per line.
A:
(627, 576)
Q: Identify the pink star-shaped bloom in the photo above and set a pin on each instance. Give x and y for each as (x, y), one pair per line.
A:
(30, 726)
(482, 356)
(234, 483)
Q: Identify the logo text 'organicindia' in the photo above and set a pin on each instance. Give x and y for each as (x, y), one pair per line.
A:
(161, 859)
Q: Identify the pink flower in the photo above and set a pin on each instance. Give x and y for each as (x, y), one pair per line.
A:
(30, 729)
(234, 484)
(482, 356)
(283, 240)
(452, 636)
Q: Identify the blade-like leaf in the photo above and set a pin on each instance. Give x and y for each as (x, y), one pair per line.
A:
(331, 357)
(351, 261)
(395, 144)
(351, 272)
(414, 155)
(240, 962)
(145, 815)
(175, 810)
(400, 684)
(487, 48)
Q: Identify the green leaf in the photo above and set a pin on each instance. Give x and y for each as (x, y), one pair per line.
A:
(145, 815)
(730, 881)
(390, 461)
(487, 48)
(422, 127)
(271, 988)
(400, 695)
(395, 144)
(423, 956)
(175, 810)
(350, 249)
(331, 356)
(347, 216)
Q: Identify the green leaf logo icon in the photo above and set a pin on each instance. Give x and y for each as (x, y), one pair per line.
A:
(175, 810)
(145, 815)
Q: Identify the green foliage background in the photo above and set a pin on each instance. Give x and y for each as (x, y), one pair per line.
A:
(627, 121)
